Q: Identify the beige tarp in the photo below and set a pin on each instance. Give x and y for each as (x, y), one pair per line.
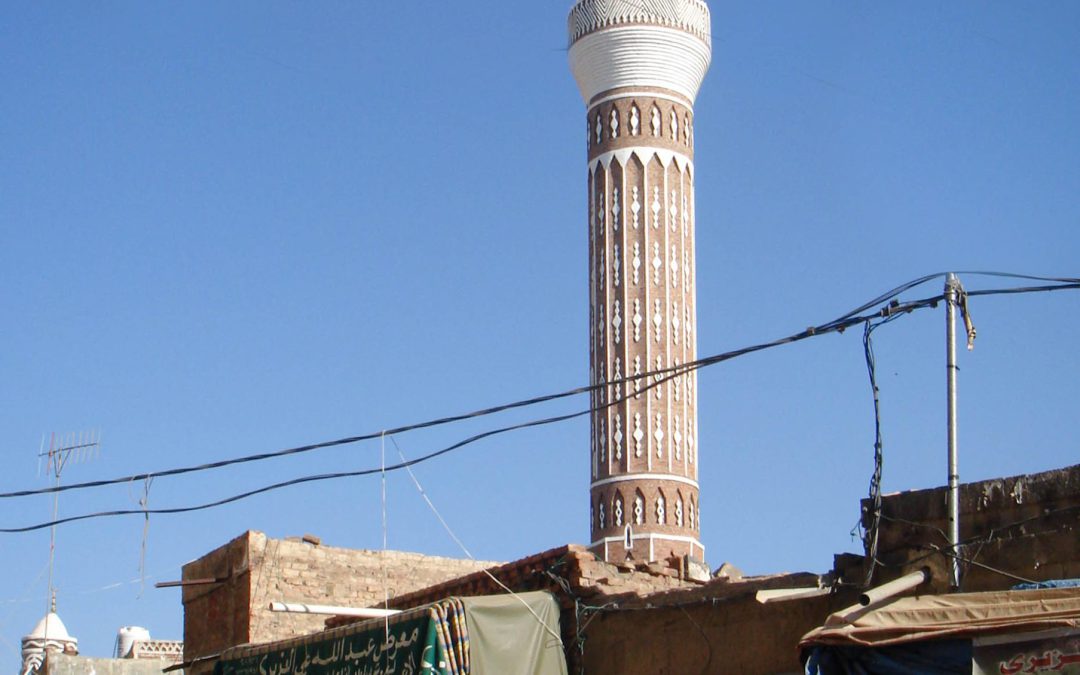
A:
(504, 639)
(949, 616)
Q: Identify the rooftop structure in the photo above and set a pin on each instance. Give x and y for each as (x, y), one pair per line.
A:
(50, 635)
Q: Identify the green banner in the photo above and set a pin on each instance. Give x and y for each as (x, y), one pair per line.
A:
(411, 648)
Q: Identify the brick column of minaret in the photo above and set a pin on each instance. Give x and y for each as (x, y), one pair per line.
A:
(638, 64)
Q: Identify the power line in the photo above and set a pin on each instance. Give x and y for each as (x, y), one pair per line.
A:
(832, 325)
(659, 378)
(839, 324)
(888, 313)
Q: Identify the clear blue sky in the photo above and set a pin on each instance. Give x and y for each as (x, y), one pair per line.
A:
(228, 228)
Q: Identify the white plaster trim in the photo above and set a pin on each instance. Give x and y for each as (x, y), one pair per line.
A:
(644, 476)
(639, 56)
(693, 541)
(645, 154)
(638, 95)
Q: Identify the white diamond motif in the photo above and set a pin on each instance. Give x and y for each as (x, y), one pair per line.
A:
(674, 267)
(676, 436)
(616, 267)
(616, 209)
(618, 437)
(659, 436)
(638, 434)
(685, 218)
(675, 322)
(637, 320)
(616, 322)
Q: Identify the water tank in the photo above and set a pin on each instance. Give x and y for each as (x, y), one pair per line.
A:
(126, 639)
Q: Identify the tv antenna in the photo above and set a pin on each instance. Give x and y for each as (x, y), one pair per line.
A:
(70, 448)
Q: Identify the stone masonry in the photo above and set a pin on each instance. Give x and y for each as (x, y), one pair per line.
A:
(251, 571)
(1011, 529)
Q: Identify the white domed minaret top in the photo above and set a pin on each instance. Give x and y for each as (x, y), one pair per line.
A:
(634, 43)
(49, 635)
(638, 65)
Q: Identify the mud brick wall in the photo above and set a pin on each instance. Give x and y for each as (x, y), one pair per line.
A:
(254, 570)
(1025, 526)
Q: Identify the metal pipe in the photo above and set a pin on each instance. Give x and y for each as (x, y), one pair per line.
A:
(894, 587)
(191, 582)
(782, 594)
(362, 612)
(952, 293)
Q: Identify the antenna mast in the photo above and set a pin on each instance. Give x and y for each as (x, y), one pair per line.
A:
(72, 447)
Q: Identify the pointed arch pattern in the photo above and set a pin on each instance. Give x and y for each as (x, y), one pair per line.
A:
(642, 312)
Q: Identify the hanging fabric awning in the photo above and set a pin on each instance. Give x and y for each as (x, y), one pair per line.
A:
(934, 635)
(935, 617)
(511, 634)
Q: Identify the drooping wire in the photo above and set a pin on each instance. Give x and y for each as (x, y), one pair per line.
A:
(465, 550)
(839, 324)
(299, 449)
(298, 481)
(659, 376)
(870, 540)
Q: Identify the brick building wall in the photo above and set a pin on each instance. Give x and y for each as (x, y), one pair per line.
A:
(67, 664)
(253, 570)
(734, 634)
(1024, 526)
(644, 619)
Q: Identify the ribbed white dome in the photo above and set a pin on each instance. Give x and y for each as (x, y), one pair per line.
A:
(57, 631)
(639, 55)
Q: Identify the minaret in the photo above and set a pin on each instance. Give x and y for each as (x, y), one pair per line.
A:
(639, 64)
(49, 636)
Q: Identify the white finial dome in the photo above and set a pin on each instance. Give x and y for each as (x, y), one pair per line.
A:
(50, 628)
(639, 43)
(49, 635)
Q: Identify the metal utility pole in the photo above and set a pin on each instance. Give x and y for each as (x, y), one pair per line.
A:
(953, 290)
